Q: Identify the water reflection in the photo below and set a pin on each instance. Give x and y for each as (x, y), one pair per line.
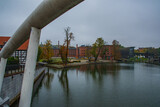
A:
(100, 68)
(97, 71)
(105, 68)
(48, 79)
(100, 72)
(63, 79)
(102, 81)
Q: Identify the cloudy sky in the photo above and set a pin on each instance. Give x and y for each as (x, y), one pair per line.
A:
(131, 22)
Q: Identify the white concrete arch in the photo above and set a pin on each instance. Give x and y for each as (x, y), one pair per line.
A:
(45, 13)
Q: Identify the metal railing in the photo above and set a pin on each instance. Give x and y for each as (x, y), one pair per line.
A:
(14, 69)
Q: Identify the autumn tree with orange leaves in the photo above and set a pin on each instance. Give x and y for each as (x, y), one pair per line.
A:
(47, 51)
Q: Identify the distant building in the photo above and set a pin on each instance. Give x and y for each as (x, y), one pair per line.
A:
(80, 52)
(143, 52)
(71, 51)
(109, 52)
(127, 52)
(56, 49)
(21, 52)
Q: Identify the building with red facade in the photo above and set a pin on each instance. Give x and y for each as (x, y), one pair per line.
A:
(80, 52)
(109, 52)
(71, 51)
(56, 49)
(21, 52)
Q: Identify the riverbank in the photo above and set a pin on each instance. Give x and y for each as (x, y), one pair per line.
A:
(83, 62)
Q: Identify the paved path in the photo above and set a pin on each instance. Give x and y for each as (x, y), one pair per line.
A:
(12, 86)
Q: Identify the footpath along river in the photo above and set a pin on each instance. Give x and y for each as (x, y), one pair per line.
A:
(100, 85)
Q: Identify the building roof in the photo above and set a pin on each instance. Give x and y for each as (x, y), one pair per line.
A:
(24, 46)
(82, 46)
(55, 47)
(3, 40)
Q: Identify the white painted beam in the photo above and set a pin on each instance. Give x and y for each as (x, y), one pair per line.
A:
(28, 78)
(45, 13)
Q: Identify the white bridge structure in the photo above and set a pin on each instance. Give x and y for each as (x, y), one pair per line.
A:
(45, 13)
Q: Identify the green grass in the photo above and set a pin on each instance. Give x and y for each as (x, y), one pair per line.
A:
(59, 60)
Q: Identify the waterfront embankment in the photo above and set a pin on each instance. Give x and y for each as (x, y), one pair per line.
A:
(74, 64)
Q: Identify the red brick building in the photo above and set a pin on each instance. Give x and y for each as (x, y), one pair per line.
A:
(109, 52)
(56, 51)
(71, 51)
(80, 52)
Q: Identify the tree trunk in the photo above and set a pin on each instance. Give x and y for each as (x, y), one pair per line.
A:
(97, 54)
(66, 50)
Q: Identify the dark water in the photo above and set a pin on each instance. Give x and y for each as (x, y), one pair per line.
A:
(101, 85)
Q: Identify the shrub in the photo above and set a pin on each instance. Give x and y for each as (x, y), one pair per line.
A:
(12, 61)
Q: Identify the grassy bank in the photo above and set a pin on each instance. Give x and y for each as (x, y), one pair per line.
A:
(73, 64)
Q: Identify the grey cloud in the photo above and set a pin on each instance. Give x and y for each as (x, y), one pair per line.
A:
(132, 22)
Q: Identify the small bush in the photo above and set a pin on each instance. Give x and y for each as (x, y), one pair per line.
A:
(12, 61)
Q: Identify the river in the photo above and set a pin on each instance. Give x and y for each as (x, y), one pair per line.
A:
(100, 85)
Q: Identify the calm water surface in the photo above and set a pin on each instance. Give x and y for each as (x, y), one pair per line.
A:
(100, 85)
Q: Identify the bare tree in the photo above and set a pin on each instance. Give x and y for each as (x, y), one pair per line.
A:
(67, 41)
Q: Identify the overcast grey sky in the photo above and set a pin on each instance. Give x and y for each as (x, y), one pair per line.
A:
(131, 22)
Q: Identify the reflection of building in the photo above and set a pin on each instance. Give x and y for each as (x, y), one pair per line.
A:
(21, 52)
